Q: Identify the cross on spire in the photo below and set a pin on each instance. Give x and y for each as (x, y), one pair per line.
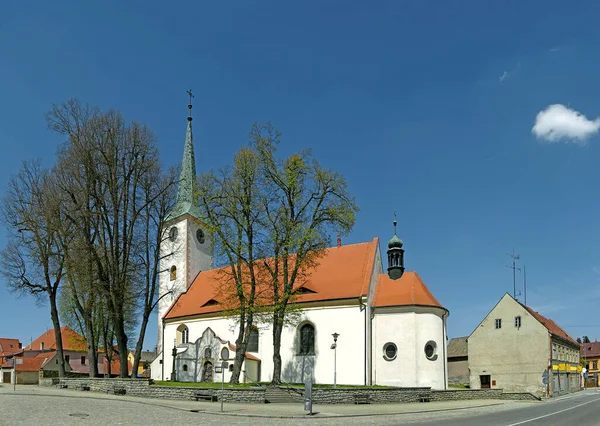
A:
(189, 92)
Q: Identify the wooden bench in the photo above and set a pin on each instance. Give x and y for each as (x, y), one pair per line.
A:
(361, 398)
(118, 390)
(424, 397)
(205, 395)
(83, 386)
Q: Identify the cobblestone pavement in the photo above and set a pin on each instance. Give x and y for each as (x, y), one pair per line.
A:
(32, 405)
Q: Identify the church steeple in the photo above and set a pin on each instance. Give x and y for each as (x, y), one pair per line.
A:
(187, 193)
(395, 255)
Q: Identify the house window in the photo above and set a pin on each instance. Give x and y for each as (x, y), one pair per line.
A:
(41, 346)
(253, 340)
(173, 273)
(67, 358)
(594, 365)
(518, 322)
(390, 351)
(183, 334)
(82, 360)
(11, 346)
(499, 323)
(307, 339)
(553, 350)
(431, 350)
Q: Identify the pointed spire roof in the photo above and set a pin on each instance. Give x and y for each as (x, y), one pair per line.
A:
(187, 193)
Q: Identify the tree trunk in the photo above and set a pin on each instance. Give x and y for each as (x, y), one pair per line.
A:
(121, 338)
(277, 329)
(241, 343)
(140, 343)
(92, 350)
(57, 335)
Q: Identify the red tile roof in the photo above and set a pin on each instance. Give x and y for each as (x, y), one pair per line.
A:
(552, 327)
(32, 364)
(342, 273)
(72, 341)
(408, 290)
(5, 346)
(591, 349)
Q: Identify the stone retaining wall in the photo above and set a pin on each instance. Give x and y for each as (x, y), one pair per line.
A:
(143, 388)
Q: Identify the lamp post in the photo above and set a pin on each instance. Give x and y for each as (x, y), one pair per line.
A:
(173, 373)
(334, 347)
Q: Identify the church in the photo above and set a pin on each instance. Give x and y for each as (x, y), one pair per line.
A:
(359, 324)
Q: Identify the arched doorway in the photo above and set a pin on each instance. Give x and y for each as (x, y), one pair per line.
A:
(207, 372)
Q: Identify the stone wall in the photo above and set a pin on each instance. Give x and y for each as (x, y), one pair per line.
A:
(375, 395)
(463, 394)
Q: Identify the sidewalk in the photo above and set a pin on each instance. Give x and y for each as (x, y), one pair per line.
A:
(264, 410)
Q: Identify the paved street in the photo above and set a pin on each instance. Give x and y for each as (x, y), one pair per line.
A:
(32, 405)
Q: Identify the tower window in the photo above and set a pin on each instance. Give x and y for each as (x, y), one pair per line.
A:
(184, 367)
(499, 323)
(431, 350)
(200, 235)
(173, 233)
(173, 273)
(307, 339)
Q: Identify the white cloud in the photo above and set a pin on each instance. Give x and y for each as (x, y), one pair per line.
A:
(557, 123)
(503, 76)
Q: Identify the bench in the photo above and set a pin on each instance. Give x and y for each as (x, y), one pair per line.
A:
(424, 397)
(361, 398)
(205, 395)
(83, 386)
(118, 390)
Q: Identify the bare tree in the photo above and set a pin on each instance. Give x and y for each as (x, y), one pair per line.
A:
(33, 261)
(114, 200)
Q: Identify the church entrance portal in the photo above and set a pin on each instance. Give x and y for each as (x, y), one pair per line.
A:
(207, 372)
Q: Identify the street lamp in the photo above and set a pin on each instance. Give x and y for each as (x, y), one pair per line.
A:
(334, 347)
(173, 373)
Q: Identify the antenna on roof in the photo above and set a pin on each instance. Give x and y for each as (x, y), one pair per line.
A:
(514, 257)
(525, 285)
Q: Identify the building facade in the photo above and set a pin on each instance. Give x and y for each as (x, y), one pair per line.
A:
(514, 346)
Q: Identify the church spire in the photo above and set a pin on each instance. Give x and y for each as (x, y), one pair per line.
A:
(395, 255)
(187, 193)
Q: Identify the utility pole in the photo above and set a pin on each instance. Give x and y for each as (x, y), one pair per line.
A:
(514, 257)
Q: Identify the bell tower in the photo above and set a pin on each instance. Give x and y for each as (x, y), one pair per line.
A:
(186, 249)
(395, 256)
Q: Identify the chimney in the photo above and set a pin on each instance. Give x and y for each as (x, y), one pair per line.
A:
(339, 240)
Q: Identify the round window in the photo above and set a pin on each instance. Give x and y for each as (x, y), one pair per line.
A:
(173, 233)
(431, 350)
(390, 351)
(200, 236)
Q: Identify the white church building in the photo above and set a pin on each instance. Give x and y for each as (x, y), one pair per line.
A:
(389, 329)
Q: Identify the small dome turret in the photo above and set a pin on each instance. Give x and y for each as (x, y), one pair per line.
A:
(395, 256)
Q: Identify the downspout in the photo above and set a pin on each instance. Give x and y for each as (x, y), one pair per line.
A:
(162, 374)
(364, 309)
(550, 370)
(445, 348)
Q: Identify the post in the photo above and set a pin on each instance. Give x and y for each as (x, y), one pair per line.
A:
(173, 372)
(334, 347)
(222, 384)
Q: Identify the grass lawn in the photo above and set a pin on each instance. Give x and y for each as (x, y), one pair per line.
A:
(458, 386)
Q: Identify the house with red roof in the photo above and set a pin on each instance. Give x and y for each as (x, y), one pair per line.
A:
(514, 346)
(357, 323)
(7, 348)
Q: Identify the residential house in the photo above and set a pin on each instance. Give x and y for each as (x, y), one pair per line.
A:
(590, 353)
(7, 348)
(514, 346)
(458, 361)
(146, 358)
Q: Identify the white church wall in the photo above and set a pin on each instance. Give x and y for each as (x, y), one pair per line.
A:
(199, 255)
(348, 321)
(410, 329)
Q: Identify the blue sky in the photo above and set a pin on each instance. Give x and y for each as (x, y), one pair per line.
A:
(426, 107)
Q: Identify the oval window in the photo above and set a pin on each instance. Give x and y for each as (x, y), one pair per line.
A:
(200, 236)
(431, 350)
(173, 233)
(390, 351)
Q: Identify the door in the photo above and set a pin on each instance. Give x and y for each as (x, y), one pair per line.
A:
(6, 377)
(485, 381)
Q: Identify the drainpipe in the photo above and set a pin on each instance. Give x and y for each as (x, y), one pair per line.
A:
(162, 374)
(364, 309)
(444, 316)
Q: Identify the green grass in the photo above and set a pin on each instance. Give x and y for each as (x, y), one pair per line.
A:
(458, 386)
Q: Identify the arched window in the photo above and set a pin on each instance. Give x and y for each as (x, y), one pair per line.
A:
(185, 367)
(307, 339)
(252, 340)
(173, 273)
(183, 334)
(207, 353)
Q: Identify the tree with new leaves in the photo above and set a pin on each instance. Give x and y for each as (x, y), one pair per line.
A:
(33, 262)
(231, 203)
(306, 202)
(114, 184)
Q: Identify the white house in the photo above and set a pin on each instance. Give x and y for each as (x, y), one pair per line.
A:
(391, 329)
